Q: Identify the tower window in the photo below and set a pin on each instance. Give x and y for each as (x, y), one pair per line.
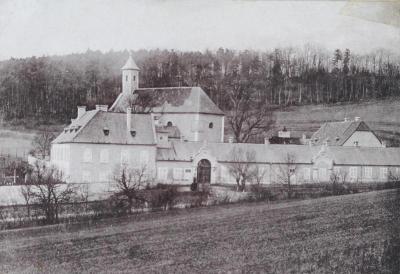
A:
(134, 78)
(126, 78)
(210, 125)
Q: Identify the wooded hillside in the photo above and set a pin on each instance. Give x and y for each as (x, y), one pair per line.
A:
(50, 88)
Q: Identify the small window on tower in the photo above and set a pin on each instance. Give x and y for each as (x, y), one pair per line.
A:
(134, 78)
(126, 78)
(210, 125)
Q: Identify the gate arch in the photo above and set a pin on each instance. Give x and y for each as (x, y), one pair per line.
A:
(204, 172)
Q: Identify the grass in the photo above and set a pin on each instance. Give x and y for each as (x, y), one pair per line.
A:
(343, 234)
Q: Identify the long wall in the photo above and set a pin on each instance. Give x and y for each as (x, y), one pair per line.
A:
(174, 172)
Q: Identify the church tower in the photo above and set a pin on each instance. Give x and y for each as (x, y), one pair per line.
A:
(130, 76)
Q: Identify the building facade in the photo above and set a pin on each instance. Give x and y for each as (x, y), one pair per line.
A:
(177, 133)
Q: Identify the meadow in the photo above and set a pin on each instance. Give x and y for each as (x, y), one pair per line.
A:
(343, 234)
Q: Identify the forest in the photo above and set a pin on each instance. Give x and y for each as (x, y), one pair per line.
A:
(49, 88)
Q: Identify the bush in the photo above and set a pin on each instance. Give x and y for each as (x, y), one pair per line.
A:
(163, 198)
(261, 193)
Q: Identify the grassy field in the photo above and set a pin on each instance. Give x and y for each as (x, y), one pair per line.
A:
(344, 234)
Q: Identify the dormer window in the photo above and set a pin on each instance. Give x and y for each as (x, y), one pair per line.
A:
(133, 133)
(106, 131)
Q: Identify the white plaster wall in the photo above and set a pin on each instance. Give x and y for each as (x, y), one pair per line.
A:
(98, 170)
(364, 139)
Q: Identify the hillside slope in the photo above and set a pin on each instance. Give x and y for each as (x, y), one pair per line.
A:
(346, 234)
(382, 116)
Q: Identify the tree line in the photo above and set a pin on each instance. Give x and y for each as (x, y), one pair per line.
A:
(50, 88)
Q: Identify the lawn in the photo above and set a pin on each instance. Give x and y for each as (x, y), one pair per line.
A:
(344, 234)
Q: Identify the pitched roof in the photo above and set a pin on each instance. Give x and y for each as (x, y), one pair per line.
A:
(171, 100)
(90, 129)
(184, 151)
(130, 64)
(275, 154)
(337, 133)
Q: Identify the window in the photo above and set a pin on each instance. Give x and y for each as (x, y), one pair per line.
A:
(306, 173)
(322, 174)
(169, 124)
(384, 172)
(144, 157)
(356, 143)
(124, 157)
(162, 173)
(86, 176)
(353, 172)
(104, 156)
(178, 173)
(210, 125)
(134, 78)
(126, 78)
(368, 172)
(87, 155)
(187, 176)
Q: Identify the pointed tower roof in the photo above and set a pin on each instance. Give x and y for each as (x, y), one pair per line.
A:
(130, 64)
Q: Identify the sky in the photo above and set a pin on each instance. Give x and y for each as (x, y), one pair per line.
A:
(49, 27)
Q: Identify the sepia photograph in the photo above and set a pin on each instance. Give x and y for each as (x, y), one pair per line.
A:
(199, 136)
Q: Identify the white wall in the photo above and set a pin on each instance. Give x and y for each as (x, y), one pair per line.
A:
(364, 139)
(99, 168)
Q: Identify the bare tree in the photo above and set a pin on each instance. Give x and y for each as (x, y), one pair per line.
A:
(241, 166)
(142, 102)
(49, 191)
(27, 194)
(248, 117)
(127, 183)
(337, 179)
(286, 172)
(42, 143)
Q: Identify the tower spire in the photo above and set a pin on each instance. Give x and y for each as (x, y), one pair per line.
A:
(130, 76)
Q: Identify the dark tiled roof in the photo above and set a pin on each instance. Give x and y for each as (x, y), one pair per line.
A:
(337, 133)
(171, 100)
(185, 151)
(93, 123)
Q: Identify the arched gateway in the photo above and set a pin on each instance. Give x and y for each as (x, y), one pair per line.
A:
(204, 172)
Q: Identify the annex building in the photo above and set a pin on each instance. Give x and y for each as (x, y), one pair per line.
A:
(179, 136)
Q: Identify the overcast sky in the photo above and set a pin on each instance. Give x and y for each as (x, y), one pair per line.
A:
(47, 27)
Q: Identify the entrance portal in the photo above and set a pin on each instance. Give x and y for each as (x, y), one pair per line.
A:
(204, 172)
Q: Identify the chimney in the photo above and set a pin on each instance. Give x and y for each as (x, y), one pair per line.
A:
(81, 111)
(128, 119)
(230, 139)
(357, 119)
(266, 141)
(346, 119)
(102, 107)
